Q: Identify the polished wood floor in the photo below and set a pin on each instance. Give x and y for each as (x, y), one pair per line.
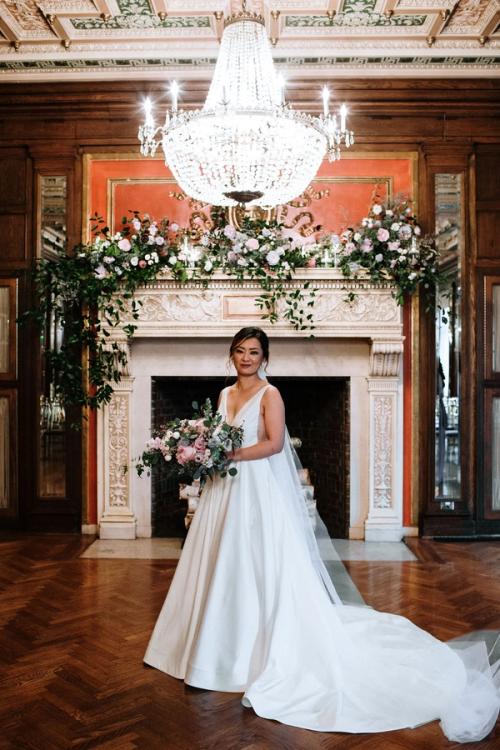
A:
(73, 633)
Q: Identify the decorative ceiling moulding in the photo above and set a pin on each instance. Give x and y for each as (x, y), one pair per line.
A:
(113, 39)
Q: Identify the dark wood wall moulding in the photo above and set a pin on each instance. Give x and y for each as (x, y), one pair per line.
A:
(84, 112)
(9, 514)
(9, 376)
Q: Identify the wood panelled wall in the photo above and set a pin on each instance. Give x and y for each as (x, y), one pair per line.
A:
(454, 125)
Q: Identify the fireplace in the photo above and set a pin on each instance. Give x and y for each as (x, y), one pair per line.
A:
(354, 358)
(317, 412)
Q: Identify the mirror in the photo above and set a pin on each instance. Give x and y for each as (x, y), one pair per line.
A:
(52, 418)
(4, 329)
(53, 210)
(449, 240)
(4, 452)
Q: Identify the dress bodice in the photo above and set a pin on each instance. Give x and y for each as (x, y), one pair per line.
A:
(247, 417)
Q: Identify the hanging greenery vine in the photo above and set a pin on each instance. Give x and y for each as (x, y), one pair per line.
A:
(89, 292)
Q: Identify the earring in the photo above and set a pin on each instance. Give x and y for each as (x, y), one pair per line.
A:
(262, 372)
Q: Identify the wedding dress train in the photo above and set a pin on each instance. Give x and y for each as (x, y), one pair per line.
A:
(249, 610)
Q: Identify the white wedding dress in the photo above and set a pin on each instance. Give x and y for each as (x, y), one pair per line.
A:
(249, 610)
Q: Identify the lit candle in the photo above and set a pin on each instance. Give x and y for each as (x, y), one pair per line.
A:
(325, 93)
(343, 117)
(148, 108)
(174, 92)
(335, 247)
(281, 88)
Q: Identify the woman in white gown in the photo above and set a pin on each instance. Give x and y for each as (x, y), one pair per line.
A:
(252, 609)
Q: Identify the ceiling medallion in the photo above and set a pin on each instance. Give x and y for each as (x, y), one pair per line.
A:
(246, 145)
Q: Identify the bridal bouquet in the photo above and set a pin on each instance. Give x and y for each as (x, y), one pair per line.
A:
(194, 448)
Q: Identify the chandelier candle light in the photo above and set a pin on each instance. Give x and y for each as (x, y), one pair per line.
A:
(246, 145)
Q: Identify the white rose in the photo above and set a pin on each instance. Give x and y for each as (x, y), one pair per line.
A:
(377, 209)
(134, 260)
(379, 257)
(395, 226)
(272, 257)
(208, 265)
(357, 236)
(172, 260)
(176, 435)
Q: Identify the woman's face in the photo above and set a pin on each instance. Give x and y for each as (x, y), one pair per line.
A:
(248, 356)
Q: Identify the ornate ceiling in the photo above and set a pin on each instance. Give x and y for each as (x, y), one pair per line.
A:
(70, 39)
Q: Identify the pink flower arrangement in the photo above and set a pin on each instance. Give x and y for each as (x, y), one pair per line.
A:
(196, 448)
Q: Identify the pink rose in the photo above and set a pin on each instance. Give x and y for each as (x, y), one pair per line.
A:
(199, 426)
(142, 264)
(349, 248)
(185, 453)
(252, 244)
(200, 443)
(124, 245)
(382, 235)
(311, 263)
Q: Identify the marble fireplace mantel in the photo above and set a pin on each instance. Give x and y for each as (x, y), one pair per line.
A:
(362, 340)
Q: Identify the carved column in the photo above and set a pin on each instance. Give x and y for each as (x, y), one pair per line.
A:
(117, 519)
(385, 514)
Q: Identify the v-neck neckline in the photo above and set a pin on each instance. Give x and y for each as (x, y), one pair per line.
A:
(244, 405)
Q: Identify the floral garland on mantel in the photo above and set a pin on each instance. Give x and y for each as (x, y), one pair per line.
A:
(89, 291)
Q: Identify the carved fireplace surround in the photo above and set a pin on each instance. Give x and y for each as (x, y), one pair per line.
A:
(185, 330)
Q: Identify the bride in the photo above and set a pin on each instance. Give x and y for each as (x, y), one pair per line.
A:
(252, 609)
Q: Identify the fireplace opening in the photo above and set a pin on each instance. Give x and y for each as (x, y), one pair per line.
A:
(317, 412)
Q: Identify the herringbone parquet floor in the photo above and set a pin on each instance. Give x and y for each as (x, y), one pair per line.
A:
(73, 633)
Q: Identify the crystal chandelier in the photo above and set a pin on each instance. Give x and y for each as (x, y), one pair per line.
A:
(246, 145)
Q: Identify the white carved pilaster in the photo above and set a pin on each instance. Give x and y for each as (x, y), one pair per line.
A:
(117, 520)
(384, 521)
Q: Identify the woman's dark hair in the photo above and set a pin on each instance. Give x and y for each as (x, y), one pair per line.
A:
(251, 333)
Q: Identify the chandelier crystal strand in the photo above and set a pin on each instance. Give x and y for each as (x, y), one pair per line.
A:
(245, 145)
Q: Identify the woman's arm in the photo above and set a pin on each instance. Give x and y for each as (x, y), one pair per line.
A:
(274, 424)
